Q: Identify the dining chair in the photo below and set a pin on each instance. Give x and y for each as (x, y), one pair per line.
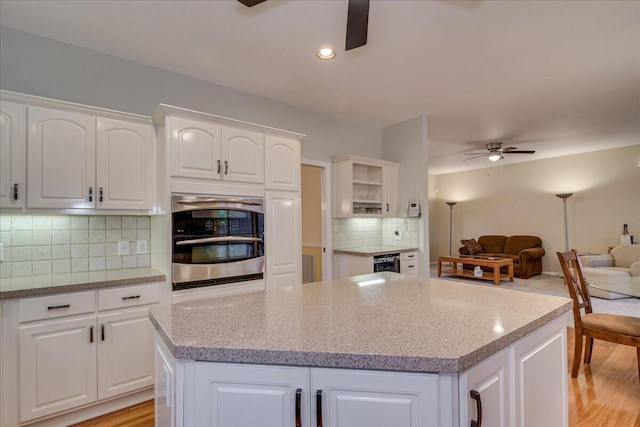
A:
(607, 327)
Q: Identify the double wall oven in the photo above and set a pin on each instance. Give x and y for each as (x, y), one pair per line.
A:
(216, 240)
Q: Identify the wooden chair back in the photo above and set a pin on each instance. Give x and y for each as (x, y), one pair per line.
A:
(578, 288)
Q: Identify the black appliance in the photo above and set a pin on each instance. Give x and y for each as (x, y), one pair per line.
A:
(387, 262)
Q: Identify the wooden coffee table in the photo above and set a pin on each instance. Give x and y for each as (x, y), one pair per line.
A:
(493, 262)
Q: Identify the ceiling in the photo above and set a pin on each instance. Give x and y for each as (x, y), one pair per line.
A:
(558, 77)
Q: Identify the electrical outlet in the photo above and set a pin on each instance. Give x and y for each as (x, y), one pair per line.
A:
(398, 235)
(1, 252)
(123, 247)
(141, 247)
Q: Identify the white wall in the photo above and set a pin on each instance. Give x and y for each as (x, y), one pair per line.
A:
(406, 143)
(44, 67)
(520, 199)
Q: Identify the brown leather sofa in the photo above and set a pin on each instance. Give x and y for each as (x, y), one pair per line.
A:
(525, 251)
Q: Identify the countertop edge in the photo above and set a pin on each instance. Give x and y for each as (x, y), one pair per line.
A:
(357, 252)
(50, 290)
(383, 362)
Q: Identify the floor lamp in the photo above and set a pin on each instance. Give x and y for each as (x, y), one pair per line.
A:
(451, 205)
(564, 197)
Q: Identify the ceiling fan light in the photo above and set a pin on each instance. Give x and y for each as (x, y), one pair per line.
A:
(494, 156)
(326, 53)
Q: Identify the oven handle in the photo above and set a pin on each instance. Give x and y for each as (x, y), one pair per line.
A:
(218, 239)
(201, 201)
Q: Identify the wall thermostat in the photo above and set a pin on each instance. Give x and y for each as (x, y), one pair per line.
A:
(413, 209)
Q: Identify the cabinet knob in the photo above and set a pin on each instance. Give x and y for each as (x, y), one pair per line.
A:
(476, 396)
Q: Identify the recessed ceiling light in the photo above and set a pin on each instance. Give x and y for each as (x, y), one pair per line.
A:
(326, 53)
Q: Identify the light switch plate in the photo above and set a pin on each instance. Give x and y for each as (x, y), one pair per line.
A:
(141, 247)
(1, 252)
(123, 247)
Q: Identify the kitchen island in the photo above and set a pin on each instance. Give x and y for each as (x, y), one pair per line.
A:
(380, 349)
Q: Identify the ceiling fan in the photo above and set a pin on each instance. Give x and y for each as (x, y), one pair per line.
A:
(357, 21)
(496, 152)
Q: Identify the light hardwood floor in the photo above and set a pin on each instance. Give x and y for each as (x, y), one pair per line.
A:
(605, 394)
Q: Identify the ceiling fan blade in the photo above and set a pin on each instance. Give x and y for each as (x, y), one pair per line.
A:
(357, 23)
(251, 3)
(507, 149)
(473, 154)
(521, 152)
(471, 158)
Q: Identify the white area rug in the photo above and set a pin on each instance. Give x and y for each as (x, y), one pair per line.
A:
(553, 285)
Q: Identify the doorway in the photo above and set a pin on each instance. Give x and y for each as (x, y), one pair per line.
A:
(316, 221)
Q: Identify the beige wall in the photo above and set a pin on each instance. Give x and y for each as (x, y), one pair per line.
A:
(520, 199)
(311, 179)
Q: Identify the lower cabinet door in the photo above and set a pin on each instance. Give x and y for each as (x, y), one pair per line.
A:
(541, 377)
(125, 352)
(165, 397)
(57, 366)
(228, 395)
(490, 380)
(347, 398)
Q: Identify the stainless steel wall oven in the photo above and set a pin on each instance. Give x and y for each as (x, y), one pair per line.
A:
(216, 240)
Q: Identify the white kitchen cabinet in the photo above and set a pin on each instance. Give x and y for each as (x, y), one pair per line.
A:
(196, 149)
(348, 265)
(77, 160)
(204, 150)
(409, 263)
(58, 368)
(360, 189)
(374, 399)
(12, 155)
(61, 156)
(242, 156)
(125, 352)
(491, 381)
(283, 239)
(513, 385)
(282, 159)
(124, 168)
(390, 188)
(540, 360)
(248, 395)
(86, 347)
(165, 413)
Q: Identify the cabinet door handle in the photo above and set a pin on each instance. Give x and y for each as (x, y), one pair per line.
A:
(91, 194)
(131, 297)
(219, 167)
(15, 191)
(102, 332)
(411, 266)
(226, 167)
(100, 194)
(319, 408)
(476, 396)
(387, 207)
(58, 307)
(91, 333)
(298, 407)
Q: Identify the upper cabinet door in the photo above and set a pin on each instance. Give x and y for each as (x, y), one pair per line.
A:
(124, 168)
(12, 151)
(195, 149)
(282, 164)
(61, 159)
(243, 156)
(390, 191)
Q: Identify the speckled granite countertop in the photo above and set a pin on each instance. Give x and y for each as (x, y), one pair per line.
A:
(373, 250)
(19, 287)
(382, 321)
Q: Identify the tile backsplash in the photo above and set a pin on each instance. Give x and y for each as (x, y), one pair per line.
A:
(48, 244)
(366, 232)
